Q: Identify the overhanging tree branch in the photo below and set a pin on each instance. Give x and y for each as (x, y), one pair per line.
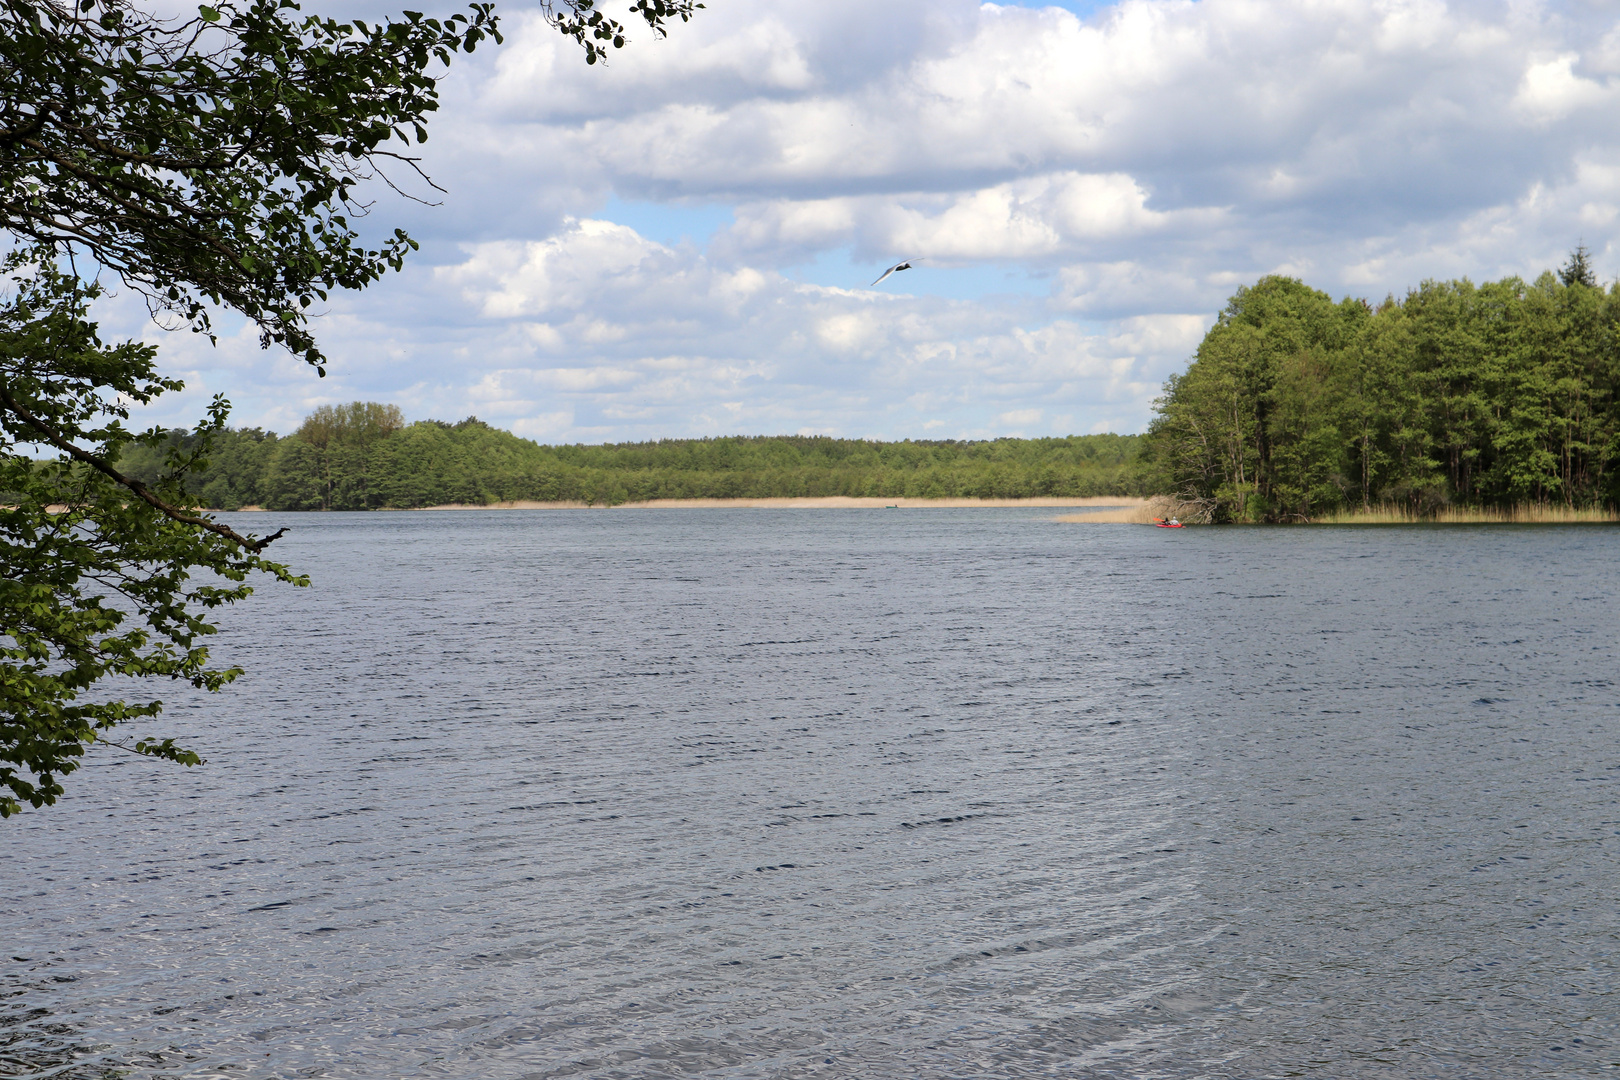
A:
(207, 161)
(141, 491)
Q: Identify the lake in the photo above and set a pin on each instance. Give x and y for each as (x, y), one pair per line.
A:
(876, 794)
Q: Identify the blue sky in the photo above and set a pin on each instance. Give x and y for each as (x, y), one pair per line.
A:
(679, 244)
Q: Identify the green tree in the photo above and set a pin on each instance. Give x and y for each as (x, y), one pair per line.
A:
(1253, 389)
(342, 438)
(232, 475)
(206, 161)
(1494, 395)
(105, 586)
(1578, 269)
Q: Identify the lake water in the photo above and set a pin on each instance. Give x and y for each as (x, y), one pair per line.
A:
(875, 794)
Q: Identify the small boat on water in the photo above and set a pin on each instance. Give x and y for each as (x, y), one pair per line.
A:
(1171, 524)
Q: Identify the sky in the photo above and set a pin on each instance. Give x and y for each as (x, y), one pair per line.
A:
(680, 243)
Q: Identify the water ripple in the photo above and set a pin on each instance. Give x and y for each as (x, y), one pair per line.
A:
(793, 794)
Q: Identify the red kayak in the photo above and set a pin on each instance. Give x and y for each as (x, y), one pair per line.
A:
(1163, 524)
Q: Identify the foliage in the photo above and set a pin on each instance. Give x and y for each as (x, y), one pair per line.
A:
(236, 463)
(206, 161)
(325, 465)
(95, 583)
(432, 463)
(1578, 269)
(583, 21)
(1295, 407)
(213, 160)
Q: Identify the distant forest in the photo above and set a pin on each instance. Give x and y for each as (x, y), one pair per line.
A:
(1493, 395)
(1294, 407)
(364, 456)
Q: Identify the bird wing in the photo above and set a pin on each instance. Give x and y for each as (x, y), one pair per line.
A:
(903, 264)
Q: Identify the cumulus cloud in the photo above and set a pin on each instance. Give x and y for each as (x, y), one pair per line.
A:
(1134, 166)
(639, 338)
(1037, 219)
(1551, 89)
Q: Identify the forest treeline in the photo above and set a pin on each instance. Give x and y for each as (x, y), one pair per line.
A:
(1489, 396)
(1294, 407)
(364, 456)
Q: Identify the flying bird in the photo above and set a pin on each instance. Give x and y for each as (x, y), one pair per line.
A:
(895, 269)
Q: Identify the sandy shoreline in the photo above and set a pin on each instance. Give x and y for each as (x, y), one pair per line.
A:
(1097, 509)
(1109, 508)
(832, 502)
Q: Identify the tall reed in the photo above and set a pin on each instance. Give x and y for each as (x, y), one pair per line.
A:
(1529, 513)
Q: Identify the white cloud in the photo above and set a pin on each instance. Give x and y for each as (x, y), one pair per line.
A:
(1552, 89)
(643, 340)
(1033, 219)
(1132, 168)
(552, 275)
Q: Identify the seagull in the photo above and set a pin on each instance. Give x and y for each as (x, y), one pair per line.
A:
(895, 269)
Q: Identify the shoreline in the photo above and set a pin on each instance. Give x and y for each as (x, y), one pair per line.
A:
(1096, 509)
(827, 502)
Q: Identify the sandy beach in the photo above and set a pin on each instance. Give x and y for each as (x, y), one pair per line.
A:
(1099, 509)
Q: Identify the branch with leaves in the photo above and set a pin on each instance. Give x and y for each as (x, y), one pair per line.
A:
(583, 21)
(205, 161)
(142, 491)
(215, 160)
(94, 582)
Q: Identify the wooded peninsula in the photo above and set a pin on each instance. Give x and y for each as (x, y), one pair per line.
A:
(1456, 398)
(1489, 397)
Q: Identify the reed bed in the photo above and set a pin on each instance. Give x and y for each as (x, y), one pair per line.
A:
(1522, 514)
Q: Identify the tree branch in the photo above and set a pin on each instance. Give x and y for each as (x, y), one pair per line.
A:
(141, 491)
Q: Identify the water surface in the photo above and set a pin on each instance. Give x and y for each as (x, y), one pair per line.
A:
(878, 794)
